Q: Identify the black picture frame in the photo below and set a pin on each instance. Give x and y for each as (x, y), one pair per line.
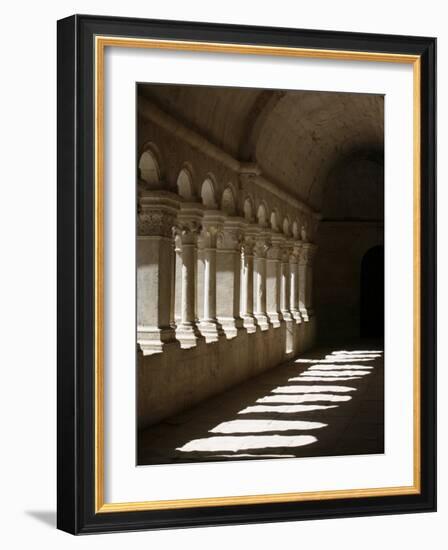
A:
(76, 285)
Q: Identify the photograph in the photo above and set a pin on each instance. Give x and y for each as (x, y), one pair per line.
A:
(259, 273)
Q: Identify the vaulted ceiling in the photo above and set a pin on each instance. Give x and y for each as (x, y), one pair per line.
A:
(296, 137)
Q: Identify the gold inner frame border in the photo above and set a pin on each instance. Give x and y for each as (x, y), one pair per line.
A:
(101, 42)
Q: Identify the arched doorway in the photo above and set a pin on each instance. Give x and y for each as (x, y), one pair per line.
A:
(372, 293)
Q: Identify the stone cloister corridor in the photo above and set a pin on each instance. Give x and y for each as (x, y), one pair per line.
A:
(327, 402)
(257, 211)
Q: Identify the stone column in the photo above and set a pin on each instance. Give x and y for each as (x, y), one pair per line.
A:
(173, 282)
(228, 273)
(273, 279)
(247, 278)
(306, 280)
(285, 292)
(310, 279)
(188, 228)
(200, 274)
(211, 224)
(177, 277)
(260, 250)
(155, 267)
(294, 281)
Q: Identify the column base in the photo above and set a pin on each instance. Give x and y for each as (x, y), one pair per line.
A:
(211, 330)
(287, 316)
(305, 314)
(188, 335)
(295, 313)
(250, 323)
(262, 320)
(155, 340)
(275, 318)
(231, 326)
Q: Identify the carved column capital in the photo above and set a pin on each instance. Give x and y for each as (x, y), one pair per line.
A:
(251, 232)
(307, 253)
(286, 251)
(189, 222)
(295, 253)
(157, 211)
(188, 231)
(212, 223)
(262, 245)
(230, 237)
(275, 250)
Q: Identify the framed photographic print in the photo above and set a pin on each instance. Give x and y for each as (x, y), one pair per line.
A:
(246, 274)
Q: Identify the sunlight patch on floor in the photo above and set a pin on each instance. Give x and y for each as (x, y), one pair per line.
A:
(312, 389)
(254, 426)
(304, 398)
(335, 373)
(238, 443)
(249, 455)
(339, 367)
(333, 360)
(285, 409)
(327, 378)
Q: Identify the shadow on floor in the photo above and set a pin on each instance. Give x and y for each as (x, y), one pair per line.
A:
(327, 402)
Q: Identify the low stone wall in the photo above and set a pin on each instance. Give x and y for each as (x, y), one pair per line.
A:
(178, 378)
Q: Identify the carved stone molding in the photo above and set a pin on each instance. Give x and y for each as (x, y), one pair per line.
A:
(262, 245)
(286, 252)
(229, 239)
(189, 222)
(155, 223)
(156, 213)
(212, 223)
(275, 250)
(307, 253)
(248, 245)
(188, 231)
(231, 236)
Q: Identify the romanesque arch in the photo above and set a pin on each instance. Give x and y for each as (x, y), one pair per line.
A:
(208, 193)
(149, 168)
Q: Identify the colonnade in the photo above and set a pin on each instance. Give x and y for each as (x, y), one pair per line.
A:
(203, 275)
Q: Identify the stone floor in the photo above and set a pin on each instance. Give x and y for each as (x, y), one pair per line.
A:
(327, 402)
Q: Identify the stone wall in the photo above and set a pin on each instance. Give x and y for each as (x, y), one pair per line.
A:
(178, 378)
(342, 246)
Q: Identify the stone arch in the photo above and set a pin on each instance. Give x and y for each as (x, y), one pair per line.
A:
(286, 226)
(248, 209)
(262, 214)
(304, 232)
(149, 167)
(274, 220)
(208, 193)
(185, 184)
(228, 202)
(295, 229)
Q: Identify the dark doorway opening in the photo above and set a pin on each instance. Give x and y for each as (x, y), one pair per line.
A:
(372, 293)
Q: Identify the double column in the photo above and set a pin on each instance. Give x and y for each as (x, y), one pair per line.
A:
(212, 223)
(294, 257)
(260, 250)
(305, 267)
(285, 288)
(247, 277)
(155, 270)
(188, 228)
(228, 275)
(274, 279)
